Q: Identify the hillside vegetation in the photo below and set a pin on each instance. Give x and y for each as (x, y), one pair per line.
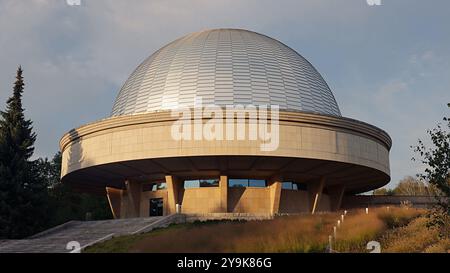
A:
(395, 228)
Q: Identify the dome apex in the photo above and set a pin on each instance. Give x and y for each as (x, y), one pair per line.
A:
(225, 67)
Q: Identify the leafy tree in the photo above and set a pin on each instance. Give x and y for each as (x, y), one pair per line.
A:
(67, 204)
(409, 186)
(437, 161)
(437, 172)
(413, 187)
(383, 191)
(23, 194)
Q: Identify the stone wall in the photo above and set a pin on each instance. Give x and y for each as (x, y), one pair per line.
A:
(360, 201)
(249, 200)
(294, 201)
(200, 200)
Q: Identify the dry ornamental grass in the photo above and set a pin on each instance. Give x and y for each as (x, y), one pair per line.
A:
(305, 233)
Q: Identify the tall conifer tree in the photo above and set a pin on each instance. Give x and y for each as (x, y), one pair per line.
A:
(22, 191)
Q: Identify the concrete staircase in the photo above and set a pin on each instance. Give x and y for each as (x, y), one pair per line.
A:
(83, 234)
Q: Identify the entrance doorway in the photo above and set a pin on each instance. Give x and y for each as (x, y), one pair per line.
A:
(156, 207)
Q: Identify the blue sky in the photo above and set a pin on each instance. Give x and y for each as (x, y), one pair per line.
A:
(387, 65)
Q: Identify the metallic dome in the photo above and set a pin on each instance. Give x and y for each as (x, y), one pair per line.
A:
(225, 67)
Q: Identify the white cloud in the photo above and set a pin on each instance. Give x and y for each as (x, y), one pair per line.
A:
(387, 93)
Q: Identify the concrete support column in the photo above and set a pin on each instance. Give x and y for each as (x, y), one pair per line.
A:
(275, 194)
(315, 193)
(123, 204)
(223, 186)
(336, 193)
(173, 189)
(115, 201)
(134, 198)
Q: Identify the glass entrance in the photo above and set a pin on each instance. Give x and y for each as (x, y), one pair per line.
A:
(156, 207)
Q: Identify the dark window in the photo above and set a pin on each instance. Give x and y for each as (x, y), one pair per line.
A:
(287, 186)
(191, 184)
(259, 183)
(302, 186)
(242, 183)
(209, 183)
(162, 186)
(154, 186)
(237, 183)
(201, 183)
(156, 207)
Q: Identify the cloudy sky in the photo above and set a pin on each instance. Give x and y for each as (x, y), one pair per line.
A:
(387, 65)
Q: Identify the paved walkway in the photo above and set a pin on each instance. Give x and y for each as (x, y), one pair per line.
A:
(84, 232)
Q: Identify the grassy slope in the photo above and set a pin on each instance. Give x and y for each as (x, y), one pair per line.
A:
(415, 237)
(284, 234)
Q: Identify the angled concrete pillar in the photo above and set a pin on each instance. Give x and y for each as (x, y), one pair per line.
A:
(275, 194)
(336, 193)
(115, 201)
(134, 198)
(173, 189)
(223, 186)
(123, 204)
(315, 193)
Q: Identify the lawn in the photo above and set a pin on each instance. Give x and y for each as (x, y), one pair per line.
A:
(394, 228)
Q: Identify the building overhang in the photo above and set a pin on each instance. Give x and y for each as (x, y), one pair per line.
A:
(140, 147)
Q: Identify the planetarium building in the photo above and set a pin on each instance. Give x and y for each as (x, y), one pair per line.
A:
(138, 159)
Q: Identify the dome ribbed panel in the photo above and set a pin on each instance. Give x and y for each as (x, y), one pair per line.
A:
(225, 67)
